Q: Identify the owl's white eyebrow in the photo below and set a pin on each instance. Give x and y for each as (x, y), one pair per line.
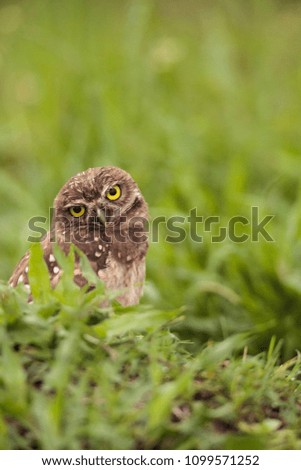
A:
(76, 202)
(111, 185)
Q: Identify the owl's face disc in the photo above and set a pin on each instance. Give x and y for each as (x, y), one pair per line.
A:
(96, 200)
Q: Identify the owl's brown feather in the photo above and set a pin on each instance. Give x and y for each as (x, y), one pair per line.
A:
(112, 234)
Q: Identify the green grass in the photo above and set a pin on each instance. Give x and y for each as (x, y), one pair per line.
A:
(74, 375)
(199, 101)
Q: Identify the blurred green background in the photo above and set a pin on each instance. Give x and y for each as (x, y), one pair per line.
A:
(200, 102)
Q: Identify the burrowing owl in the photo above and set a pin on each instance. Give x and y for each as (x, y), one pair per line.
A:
(104, 214)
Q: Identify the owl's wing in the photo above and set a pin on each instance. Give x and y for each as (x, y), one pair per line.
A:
(20, 273)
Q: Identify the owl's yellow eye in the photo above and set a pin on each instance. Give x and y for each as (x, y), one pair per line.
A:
(114, 193)
(77, 211)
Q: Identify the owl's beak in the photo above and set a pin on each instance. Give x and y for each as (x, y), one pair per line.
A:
(101, 216)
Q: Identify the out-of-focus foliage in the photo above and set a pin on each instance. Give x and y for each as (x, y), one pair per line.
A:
(199, 101)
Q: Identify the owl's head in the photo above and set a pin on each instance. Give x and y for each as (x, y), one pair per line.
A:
(99, 198)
